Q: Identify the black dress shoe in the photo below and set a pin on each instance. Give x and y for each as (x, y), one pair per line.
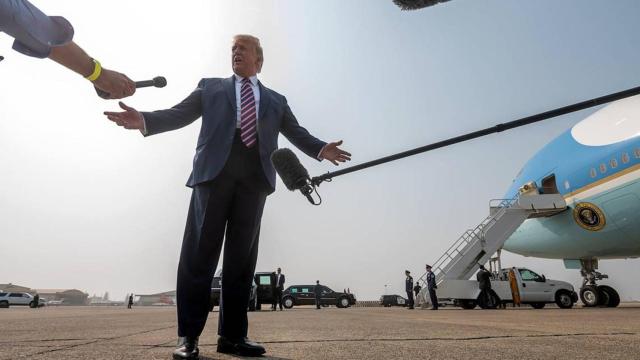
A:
(187, 348)
(240, 346)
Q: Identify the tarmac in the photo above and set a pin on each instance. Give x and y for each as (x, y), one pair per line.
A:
(331, 333)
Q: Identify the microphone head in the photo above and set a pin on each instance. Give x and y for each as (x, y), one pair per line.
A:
(1, 57)
(291, 171)
(416, 4)
(159, 81)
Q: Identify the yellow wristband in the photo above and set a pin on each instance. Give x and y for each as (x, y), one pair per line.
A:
(97, 70)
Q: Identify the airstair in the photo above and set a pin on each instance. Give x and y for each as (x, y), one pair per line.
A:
(477, 246)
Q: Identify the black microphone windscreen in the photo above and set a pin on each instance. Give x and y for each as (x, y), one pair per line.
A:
(416, 4)
(291, 171)
(159, 81)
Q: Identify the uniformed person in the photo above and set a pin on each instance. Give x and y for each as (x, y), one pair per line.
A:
(408, 282)
(431, 286)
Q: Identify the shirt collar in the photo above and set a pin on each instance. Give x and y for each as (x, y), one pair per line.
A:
(253, 79)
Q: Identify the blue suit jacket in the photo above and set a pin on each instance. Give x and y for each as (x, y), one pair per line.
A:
(215, 100)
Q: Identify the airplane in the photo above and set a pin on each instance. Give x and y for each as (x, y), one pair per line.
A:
(595, 166)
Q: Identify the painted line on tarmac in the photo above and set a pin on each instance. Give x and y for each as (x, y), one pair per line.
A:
(471, 338)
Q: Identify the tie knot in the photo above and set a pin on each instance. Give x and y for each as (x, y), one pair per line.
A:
(246, 81)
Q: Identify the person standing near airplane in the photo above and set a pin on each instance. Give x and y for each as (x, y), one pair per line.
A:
(38, 35)
(431, 287)
(408, 285)
(231, 179)
(416, 289)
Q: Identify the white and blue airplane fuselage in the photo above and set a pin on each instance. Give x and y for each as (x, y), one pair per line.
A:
(595, 166)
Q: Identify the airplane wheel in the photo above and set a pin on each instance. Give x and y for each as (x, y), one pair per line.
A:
(590, 296)
(610, 295)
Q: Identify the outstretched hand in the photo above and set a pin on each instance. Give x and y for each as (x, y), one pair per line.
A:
(130, 118)
(333, 153)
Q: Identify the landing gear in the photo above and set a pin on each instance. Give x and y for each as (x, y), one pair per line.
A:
(592, 294)
(608, 296)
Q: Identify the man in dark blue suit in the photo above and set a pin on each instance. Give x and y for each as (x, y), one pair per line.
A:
(231, 178)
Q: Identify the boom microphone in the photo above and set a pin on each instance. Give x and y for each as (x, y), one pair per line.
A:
(292, 173)
(416, 4)
(158, 81)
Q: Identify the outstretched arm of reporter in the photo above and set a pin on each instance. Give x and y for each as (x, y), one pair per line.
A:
(74, 58)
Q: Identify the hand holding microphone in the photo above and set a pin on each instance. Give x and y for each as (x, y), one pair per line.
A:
(113, 85)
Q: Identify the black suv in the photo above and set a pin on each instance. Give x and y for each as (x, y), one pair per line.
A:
(305, 295)
(392, 300)
(265, 292)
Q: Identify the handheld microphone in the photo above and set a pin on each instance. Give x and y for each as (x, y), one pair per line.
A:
(158, 81)
(292, 173)
(1, 57)
(416, 4)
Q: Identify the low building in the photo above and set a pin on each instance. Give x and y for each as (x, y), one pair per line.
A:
(163, 298)
(66, 296)
(15, 288)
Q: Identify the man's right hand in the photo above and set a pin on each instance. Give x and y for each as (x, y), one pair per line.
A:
(130, 118)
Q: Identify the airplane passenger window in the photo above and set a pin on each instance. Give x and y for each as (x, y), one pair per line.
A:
(593, 172)
(603, 168)
(636, 152)
(625, 158)
(613, 163)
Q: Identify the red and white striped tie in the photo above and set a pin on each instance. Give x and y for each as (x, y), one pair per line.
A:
(247, 114)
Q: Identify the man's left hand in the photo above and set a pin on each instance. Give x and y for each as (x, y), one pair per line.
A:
(333, 153)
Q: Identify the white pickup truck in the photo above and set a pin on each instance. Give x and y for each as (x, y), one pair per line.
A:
(514, 285)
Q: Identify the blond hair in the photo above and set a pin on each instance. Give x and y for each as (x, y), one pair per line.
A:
(256, 43)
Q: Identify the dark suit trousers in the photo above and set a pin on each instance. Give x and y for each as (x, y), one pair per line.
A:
(410, 298)
(433, 297)
(227, 208)
(277, 297)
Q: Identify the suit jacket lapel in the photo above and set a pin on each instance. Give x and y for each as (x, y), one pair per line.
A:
(229, 85)
(265, 100)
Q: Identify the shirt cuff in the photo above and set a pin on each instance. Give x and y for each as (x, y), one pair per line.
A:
(320, 153)
(144, 131)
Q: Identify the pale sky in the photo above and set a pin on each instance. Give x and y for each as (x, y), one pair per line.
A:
(85, 204)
